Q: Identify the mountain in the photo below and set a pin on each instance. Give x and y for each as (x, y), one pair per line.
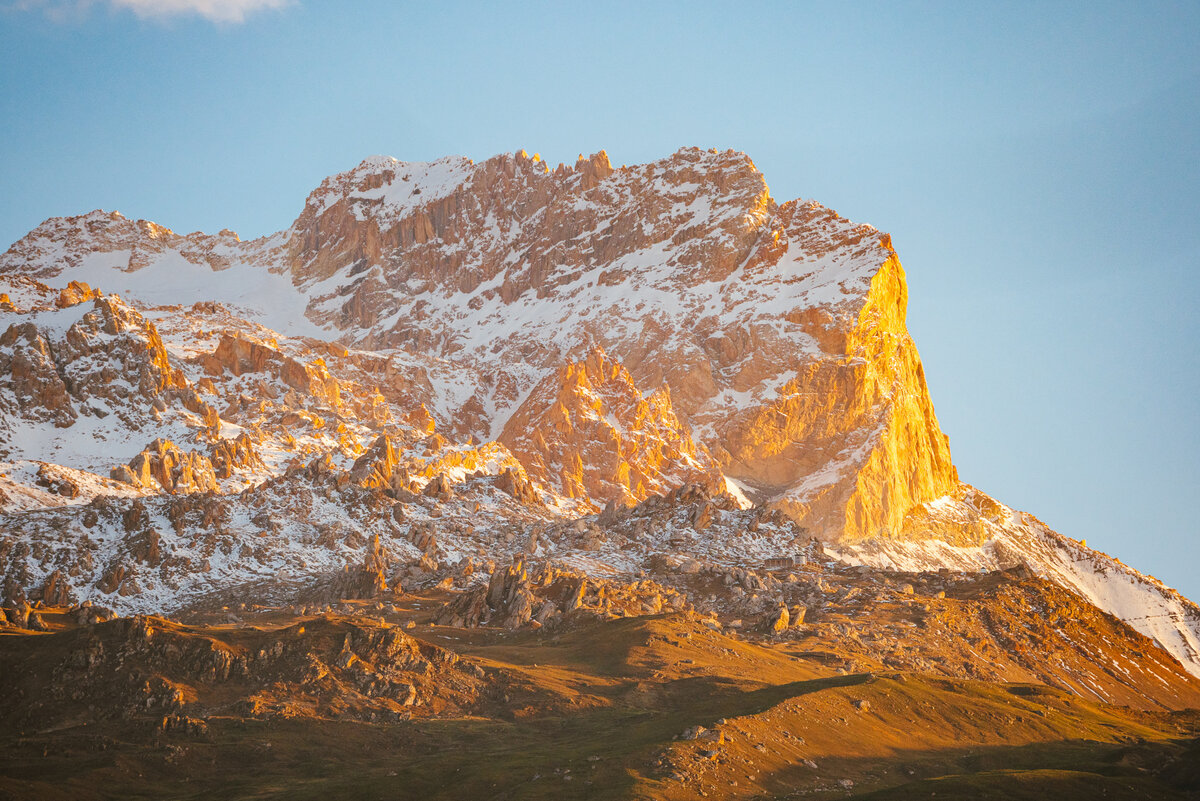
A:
(476, 361)
(778, 328)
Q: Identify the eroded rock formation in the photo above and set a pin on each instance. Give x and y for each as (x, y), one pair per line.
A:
(588, 432)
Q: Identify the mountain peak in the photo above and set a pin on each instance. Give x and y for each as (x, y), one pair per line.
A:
(582, 336)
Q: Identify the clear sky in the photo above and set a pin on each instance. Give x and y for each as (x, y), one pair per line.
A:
(1038, 165)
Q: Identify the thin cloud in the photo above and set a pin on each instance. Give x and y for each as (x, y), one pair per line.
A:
(228, 11)
(55, 10)
(214, 10)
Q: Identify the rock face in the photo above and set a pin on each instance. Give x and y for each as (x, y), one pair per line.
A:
(778, 329)
(854, 440)
(162, 464)
(588, 432)
(91, 359)
(243, 355)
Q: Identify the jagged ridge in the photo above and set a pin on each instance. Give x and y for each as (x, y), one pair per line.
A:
(451, 299)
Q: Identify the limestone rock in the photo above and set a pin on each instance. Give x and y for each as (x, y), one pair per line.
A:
(97, 359)
(439, 487)
(624, 331)
(374, 468)
(57, 590)
(18, 614)
(228, 456)
(518, 486)
(589, 432)
(75, 292)
(778, 620)
(240, 354)
(57, 482)
(164, 464)
(35, 389)
(516, 596)
(778, 327)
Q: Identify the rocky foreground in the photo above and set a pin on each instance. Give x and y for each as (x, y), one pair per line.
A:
(816, 680)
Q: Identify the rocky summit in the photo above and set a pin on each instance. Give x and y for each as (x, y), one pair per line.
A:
(472, 452)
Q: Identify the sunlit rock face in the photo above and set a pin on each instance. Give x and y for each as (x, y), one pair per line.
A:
(588, 432)
(777, 330)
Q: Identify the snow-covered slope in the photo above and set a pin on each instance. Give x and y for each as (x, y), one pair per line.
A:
(1009, 538)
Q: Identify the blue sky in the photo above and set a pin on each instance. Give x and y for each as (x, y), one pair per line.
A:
(1038, 165)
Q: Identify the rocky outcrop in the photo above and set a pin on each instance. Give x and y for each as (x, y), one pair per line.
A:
(34, 389)
(228, 456)
(389, 464)
(97, 361)
(164, 464)
(365, 580)
(514, 483)
(58, 481)
(589, 432)
(438, 488)
(114, 341)
(74, 293)
(376, 467)
(57, 590)
(239, 354)
(421, 419)
(515, 597)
